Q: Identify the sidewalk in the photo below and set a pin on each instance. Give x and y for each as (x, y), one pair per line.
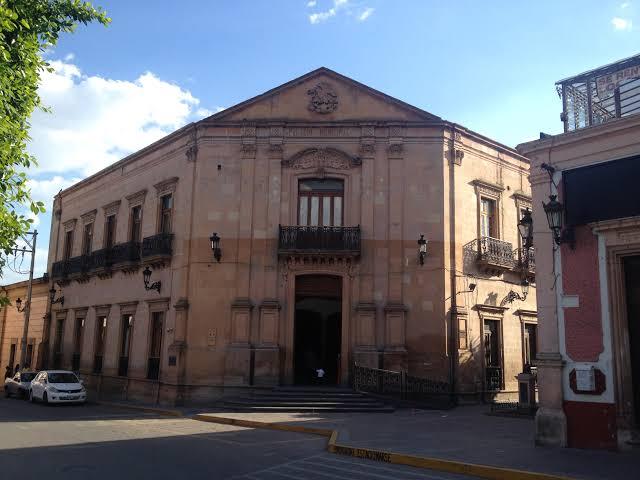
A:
(465, 434)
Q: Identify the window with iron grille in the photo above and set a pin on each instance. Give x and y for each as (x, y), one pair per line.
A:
(488, 226)
(101, 335)
(68, 244)
(166, 210)
(155, 346)
(125, 344)
(87, 239)
(136, 223)
(110, 231)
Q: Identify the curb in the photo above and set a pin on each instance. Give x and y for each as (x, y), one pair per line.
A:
(159, 411)
(450, 466)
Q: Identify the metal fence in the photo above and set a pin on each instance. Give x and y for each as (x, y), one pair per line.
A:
(400, 386)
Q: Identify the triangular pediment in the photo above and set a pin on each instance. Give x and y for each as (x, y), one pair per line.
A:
(323, 95)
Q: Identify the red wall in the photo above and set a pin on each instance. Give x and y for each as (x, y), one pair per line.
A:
(580, 276)
(591, 425)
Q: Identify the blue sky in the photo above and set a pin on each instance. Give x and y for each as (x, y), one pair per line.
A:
(488, 65)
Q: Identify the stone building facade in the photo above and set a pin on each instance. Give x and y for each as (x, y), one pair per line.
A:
(318, 191)
(12, 324)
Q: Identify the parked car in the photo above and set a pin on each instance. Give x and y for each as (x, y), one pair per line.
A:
(19, 384)
(57, 386)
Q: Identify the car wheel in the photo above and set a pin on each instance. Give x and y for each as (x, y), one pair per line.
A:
(32, 399)
(45, 400)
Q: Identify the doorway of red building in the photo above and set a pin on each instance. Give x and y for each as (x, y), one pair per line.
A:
(632, 287)
(317, 330)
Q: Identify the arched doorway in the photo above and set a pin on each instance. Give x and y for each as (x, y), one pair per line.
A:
(317, 329)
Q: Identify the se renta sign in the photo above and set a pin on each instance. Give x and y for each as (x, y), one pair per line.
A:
(606, 84)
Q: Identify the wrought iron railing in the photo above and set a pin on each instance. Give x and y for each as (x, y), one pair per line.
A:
(398, 385)
(493, 378)
(153, 368)
(160, 244)
(125, 253)
(75, 362)
(526, 258)
(495, 252)
(301, 239)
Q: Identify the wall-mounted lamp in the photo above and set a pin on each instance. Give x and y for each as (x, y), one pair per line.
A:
(19, 306)
(215, 246)
(525, 228)
(52, 297)
(422, 248)
(555, 213)
(512, 296)
(146, 276)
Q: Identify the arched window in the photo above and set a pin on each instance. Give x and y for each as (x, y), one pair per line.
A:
(320, 202)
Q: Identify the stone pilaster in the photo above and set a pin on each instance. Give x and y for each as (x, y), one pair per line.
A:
(365, 352)
(551, 421)
(267, 353)
(395, 348)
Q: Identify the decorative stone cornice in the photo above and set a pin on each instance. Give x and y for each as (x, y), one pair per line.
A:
(324, 98)
(111, 208)
(192, 153)
(128, 307)
(242, 303)
(321, 158)
(395, 307)
(270, 304)
(166, 186)
(89, 217)
(365, 307)
(181, 304)
(395, 150)
(158, 304)
(137, 198)
(484, 187)
(102, 310)
(70, 224)
(490, 310)
(80, 311)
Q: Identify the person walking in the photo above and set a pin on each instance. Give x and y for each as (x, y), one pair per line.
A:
(17, 368)
(7, 372)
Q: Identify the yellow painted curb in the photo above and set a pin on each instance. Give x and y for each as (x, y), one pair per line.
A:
(159, 411)
(451, 466)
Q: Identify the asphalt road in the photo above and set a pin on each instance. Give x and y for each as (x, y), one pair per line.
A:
(96, 442)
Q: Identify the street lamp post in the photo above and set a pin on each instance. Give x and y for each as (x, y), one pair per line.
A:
(27, 305)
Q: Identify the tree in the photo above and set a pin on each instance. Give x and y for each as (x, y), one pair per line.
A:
(27, 29)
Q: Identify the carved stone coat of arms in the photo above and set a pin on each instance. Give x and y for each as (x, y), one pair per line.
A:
(323, 98)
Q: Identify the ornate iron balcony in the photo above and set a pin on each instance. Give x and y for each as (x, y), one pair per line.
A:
(125, 253)
(494, 256)
(343, 241)
(157, 248)
(525, 259)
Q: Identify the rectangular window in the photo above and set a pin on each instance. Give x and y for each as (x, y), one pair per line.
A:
(488, 226)
(87, 239)
(125, 345)
(110, 231)
(29, 357)
(101, 336)
(136, 223)
(530, 343)
(78, 332)
(492, 356)
(462, 332)
(166, 209)
(155, 346)
(68, 244)
(12, 355)
(320, 202)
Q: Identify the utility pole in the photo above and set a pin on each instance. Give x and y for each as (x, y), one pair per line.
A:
(27, 306)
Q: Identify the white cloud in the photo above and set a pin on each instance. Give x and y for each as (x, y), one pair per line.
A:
(96, 121)
(69, 56)
(621, 23)
(366, 13)
(625, 5)
(44, 190)
(319, 17)
(311, 3)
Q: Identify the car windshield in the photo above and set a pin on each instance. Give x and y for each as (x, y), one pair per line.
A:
(27, 377)
(62, 378)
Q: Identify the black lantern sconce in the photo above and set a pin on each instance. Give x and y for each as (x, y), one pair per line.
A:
(422, 248)
(146, 275)
(52, 297)
(19, 306)
(512, 296)
(215, 246)
(555, 215)
(525, 228)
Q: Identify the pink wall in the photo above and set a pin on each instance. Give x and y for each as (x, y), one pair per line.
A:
(583, 325)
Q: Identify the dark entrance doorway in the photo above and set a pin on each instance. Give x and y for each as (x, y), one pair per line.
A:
(317, 329)
(632, 283)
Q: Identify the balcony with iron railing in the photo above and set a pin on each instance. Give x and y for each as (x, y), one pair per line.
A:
(494, 256)
(525, 260)
(157, 249)
(329, 241)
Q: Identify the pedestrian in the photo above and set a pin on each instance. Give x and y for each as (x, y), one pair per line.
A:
(320, 375)
(17, 368)
(7, 372)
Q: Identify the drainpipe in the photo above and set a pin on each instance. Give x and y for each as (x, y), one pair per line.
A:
(452, 261)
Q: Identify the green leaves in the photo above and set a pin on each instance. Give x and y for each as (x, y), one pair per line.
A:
(27, 28)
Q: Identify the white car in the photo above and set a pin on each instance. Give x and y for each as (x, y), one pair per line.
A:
(57, 386)
(19, 384)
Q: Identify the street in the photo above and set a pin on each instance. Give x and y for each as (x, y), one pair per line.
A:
(78, 442)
